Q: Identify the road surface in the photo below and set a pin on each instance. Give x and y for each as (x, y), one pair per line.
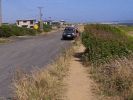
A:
(27, 53)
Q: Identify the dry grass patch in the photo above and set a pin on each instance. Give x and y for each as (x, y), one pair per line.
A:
(44, 84)
(114, 78)
(3, 40)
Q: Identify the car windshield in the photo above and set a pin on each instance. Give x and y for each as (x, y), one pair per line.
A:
(69, 30)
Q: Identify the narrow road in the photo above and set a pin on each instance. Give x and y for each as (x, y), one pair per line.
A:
(27, 53)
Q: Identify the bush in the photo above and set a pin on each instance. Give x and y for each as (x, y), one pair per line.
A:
(47, 28)
(13, 30)
(109, 52)
(5, 31)
(104, 41)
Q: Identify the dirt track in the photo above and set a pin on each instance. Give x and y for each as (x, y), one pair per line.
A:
(78, 81)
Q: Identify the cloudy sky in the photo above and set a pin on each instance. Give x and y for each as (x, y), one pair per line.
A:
(70, 10)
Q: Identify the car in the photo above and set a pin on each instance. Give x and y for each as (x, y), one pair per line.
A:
(70, 33)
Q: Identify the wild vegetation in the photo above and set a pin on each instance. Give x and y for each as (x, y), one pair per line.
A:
(13, 30)
(43, 84)
(126, 28)
(47, 28)
(110, 59)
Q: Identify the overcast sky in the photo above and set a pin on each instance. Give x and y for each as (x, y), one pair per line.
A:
(70, 10)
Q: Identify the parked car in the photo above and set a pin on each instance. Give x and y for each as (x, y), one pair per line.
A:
(70, 33)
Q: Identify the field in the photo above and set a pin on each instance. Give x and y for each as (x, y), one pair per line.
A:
(110, 60)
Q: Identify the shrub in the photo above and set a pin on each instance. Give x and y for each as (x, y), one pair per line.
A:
(47, 28)
(13, 30)
(5, 31)
(109, 54)
(103, 42)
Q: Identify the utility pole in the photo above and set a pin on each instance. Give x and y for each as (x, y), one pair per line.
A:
(0, 12)
(40, 20)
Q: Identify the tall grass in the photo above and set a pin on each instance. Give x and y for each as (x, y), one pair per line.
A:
(109, 53)
(44, 84)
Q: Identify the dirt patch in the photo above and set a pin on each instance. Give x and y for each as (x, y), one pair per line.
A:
(3, 40)
(79, 85)
(130, 33)
(81, 28)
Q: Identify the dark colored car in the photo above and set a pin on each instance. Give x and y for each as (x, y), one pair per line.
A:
(70, 33)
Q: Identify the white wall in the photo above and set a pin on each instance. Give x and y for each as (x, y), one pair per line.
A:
(27, 23)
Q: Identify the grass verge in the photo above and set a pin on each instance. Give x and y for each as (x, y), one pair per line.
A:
(109, 55)
(44, 84)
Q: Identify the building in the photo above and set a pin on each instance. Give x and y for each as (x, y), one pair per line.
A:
(48, 22)
(62, 22)
(56, 25)
(26, 23)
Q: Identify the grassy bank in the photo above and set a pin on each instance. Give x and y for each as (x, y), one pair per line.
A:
(44, 84)
(109, 57)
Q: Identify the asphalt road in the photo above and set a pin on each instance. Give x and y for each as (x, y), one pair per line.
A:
(27, 53)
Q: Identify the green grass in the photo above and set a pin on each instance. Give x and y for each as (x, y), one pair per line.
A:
(108, 50)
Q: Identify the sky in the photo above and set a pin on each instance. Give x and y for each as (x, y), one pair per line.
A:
(69, 10)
